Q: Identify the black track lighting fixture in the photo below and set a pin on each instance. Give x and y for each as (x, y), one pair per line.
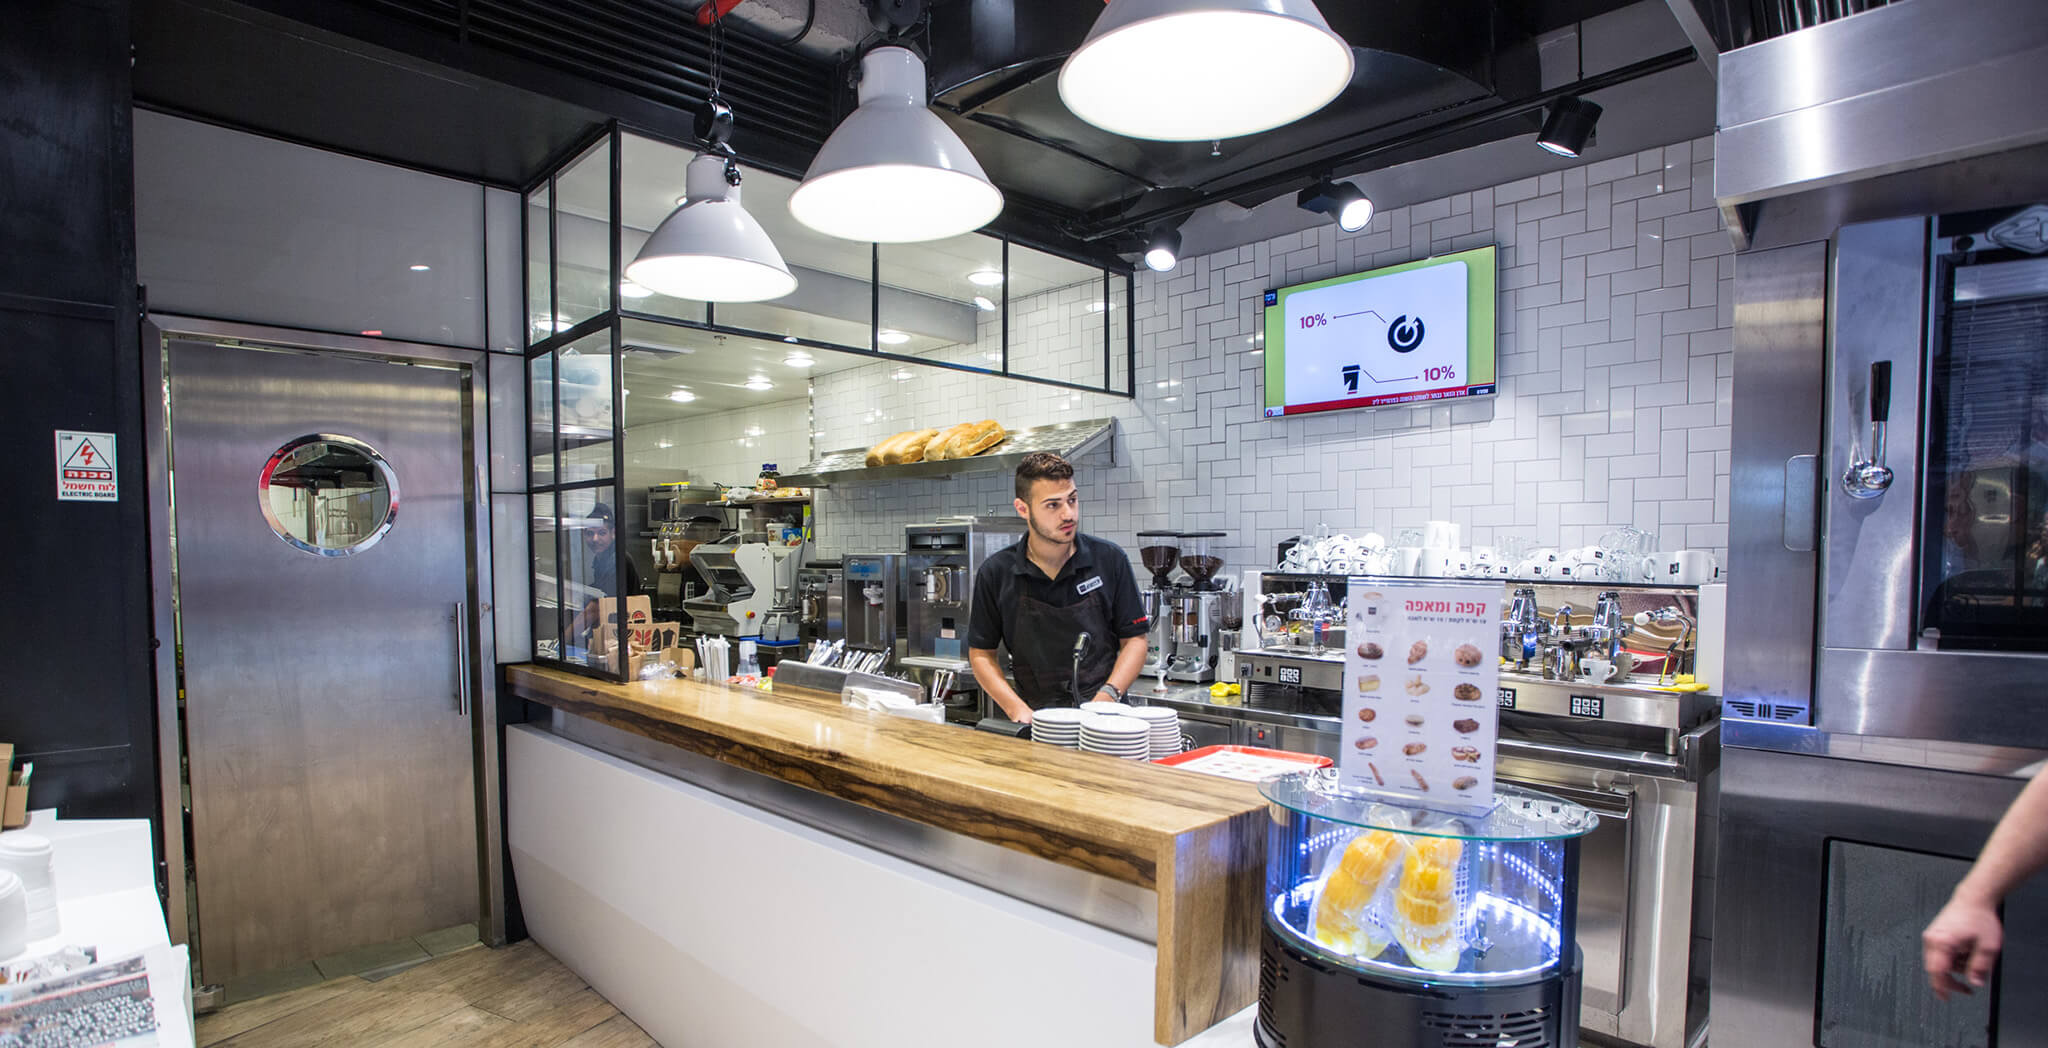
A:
(1568, 126)
(1162, 247)
(1342, 201)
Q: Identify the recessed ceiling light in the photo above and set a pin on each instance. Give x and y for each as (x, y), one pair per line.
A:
(789, 338)
(983, 303)
(985, 278)
(628, 289)
(994, 354)
(892, 338)
(682, 396)
(901, 375)
(420, 267)
(798, 360)
(755, 431)
(665, 444)
(760, 383)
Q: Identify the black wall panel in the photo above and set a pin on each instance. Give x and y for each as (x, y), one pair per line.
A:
(76, 689)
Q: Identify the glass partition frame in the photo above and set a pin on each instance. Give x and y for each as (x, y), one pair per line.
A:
(541, 202)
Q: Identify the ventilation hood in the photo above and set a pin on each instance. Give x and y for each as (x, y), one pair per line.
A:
(1911, 108)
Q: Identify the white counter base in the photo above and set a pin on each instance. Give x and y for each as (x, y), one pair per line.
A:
(713, 923)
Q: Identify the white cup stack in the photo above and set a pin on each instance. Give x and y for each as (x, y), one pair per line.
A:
(28, 856)
(13, 916)
(1057, 726)
(1165, 725)
(1114, 735)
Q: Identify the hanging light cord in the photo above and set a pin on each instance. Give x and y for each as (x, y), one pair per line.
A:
(715, 123)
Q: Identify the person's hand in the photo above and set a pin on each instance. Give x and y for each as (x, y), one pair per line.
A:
(1026, 718)
(1964, 939)
(1102, 696)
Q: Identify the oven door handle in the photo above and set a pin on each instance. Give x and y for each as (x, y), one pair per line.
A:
(1615, 801)
(1625, 761)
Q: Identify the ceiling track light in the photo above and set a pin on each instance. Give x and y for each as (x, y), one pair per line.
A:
(710, 249)
(1568, 126)
(1342, 201)
(1162, 248)
(892, 172)
(1204, 70)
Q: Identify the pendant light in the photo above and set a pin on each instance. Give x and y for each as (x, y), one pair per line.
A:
(893, 172)
(1198, 70)
(709, 249)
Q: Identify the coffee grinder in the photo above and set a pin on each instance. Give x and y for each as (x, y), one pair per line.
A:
(1195, 611)
(1160, 553)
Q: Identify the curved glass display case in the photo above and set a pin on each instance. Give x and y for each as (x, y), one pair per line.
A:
(1423, 924)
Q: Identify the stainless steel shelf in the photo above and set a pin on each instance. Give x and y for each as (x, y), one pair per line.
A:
(1070, 440)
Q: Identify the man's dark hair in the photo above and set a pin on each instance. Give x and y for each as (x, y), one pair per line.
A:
(1041, 465)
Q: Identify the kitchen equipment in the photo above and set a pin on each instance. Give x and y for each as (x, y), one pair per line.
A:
(1198, 559)
(942, 559)
(821, 601)
(1159, 551)
(871, 602)
(752, 590)
(1186, 640)
(1417, 926)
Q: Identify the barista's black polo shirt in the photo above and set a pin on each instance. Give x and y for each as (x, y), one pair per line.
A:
(1008, 573)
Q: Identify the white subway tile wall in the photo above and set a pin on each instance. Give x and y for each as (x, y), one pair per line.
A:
(1615, 374)
(729, 447)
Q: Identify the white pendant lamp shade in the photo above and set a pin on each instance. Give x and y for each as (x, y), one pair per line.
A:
(893, 172)
(1196, 70)
(710, 249)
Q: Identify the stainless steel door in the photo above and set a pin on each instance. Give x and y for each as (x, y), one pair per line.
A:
(327, 719)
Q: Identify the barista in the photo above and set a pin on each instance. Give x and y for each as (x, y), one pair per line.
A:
(1064, 603)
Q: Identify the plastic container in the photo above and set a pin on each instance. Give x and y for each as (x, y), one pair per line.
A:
(1421, 896)
(30, 857)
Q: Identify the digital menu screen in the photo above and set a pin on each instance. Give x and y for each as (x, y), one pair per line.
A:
(1416, 332)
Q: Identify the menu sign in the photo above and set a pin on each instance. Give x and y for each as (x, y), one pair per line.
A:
(1422, 691)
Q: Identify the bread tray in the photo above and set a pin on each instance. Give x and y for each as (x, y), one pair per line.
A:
(1069, 440)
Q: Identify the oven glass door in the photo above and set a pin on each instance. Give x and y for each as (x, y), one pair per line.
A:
(1984, 568)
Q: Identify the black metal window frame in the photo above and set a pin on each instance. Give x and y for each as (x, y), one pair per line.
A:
(612, 319)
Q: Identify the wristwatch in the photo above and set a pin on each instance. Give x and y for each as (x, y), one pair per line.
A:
(1112, 689)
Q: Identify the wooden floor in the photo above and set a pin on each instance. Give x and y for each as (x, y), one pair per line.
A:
(515, 996)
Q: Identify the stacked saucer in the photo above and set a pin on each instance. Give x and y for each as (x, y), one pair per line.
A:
(1057, 726)
(1116, 736)
(1165, 725)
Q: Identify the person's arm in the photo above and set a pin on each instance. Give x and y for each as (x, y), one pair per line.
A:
(988, 676)
(1130, 658)
(1965, 937)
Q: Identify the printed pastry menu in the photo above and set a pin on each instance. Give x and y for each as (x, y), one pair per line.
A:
(1420, 682)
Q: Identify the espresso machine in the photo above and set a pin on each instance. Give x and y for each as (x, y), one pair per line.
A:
(871, 602)
(939, 564)
(821, 599)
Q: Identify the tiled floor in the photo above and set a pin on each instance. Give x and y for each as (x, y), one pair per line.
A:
(371, 962)
(472, 998)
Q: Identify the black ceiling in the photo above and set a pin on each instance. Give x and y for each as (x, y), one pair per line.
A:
(497, 90)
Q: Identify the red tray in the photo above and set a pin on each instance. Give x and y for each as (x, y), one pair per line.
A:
(1282, 761)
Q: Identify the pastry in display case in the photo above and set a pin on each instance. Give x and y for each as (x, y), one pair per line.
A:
(1418, 924)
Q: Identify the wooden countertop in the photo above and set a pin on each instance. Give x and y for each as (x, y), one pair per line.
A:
(1196, 840)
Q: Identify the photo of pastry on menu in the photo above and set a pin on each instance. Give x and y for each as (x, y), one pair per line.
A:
(1420, 718)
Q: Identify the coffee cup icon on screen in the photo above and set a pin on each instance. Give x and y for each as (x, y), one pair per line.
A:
(1404, 335)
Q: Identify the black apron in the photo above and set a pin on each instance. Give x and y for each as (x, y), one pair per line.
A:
(1042, 649)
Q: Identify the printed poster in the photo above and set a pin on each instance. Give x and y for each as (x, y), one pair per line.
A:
(1421, 675)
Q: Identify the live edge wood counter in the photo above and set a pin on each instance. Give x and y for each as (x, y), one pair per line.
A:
(1197, 841)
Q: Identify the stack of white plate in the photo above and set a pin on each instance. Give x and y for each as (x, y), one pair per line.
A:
(1116, 736)
(1165, 725)
(1106, 707)
(1057, 726)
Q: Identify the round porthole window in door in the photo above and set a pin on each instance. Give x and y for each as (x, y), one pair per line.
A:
(329, 495)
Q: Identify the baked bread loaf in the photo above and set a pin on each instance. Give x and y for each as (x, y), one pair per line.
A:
(903, 447)
(938, 449)
(1342, 922)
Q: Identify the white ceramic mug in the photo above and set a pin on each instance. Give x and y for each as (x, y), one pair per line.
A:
(1597, 671)
(1439, 534)
(1688, 567)
(1435, 563)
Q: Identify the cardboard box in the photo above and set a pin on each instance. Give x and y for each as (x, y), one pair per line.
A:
(14, 804)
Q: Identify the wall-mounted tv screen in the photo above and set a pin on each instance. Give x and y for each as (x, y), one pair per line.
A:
(1415, 332)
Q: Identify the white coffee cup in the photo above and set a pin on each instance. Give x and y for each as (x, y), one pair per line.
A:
(1439, 534)
(1435, 563)
(13, 916)
(1405, 560)
(1688, 567)
(1597, 671)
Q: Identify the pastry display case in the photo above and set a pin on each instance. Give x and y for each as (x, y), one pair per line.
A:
(1424, 927)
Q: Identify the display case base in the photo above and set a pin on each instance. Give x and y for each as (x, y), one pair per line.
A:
(1308, 1002)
